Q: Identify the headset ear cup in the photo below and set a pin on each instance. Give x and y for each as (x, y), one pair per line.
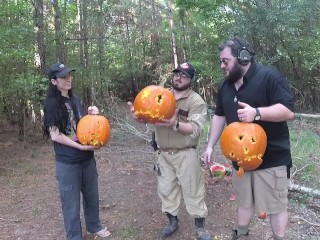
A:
(244, 56)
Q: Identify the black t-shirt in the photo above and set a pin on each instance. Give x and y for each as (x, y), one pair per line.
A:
(65, 153)
(262, 86)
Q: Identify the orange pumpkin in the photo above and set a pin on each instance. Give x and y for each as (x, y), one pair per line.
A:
(154, 103)
(244, 143)
(93, 130)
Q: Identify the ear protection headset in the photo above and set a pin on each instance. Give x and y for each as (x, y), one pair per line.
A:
(244, 54)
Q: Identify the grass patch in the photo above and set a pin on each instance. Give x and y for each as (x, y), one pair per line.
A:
(128, 233)
(29, 168)
(305, 142)
(36, 211)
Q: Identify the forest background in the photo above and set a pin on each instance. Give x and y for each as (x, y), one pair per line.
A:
(120, 46)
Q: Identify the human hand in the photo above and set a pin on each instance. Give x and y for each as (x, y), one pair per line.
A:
(93, 110)
(169, 123)
(89, 147)
(131, 108)
(206, 158)
(246, 113)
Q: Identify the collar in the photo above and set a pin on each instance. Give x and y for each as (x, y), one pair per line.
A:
(185, 93)
(248, 75)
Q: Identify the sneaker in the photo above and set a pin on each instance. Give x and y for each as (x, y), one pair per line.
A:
(103, 233)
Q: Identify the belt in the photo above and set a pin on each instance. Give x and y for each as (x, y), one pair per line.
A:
(172, 151)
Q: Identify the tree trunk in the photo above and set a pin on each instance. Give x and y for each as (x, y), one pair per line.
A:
(58, 33)
(155, 33)
(173, 36)
(41, 59)
(101, 49)
(184, 38)
(84, 33)
(80, 21)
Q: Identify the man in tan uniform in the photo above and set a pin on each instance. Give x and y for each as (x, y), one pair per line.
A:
(179, 168)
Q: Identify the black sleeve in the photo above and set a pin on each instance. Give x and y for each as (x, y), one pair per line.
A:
(51, 117)
(280, 93)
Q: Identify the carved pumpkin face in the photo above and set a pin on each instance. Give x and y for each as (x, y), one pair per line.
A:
(244, 143)
(93, 130)
(154, 103)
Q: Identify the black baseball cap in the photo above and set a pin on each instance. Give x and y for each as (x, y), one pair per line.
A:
(186, 68)
(59, 70)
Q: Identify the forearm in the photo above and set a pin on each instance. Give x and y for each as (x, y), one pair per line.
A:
(58, 137)
(276, 113)
(216, 128)
(185, 128)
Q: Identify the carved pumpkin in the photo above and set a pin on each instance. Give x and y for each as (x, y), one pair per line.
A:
(93, 130)
(244, 143)
(154, 103)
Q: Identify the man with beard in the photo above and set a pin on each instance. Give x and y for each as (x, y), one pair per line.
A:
(178, 167)
(259, 94)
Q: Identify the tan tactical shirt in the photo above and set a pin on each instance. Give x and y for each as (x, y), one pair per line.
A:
(192, 108)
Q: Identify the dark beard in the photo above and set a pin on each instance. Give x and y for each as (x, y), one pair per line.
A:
(180, 89)
(235, 74)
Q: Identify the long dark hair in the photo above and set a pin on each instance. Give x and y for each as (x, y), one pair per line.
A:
(61, 116)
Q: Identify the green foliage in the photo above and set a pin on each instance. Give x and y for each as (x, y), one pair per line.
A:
(119, 46)
(305, 142)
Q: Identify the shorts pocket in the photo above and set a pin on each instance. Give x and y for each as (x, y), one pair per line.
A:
(281, 180)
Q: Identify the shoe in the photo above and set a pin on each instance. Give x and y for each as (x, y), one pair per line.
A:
(170, 228)
(235, 235)
(202, 234)
(103, 233)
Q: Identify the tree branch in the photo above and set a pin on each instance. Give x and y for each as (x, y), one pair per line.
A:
(312, 224)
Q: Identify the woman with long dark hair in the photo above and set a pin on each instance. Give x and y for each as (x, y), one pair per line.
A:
(76, 170)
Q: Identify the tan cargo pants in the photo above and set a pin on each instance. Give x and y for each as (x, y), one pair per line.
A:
(181, 175)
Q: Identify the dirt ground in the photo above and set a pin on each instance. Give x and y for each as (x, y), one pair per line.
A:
(30, 205)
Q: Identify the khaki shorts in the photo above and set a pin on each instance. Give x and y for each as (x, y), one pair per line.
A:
(266, 189)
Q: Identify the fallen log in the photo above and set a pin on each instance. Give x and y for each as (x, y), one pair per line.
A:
(305, 115)
(304, 190)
